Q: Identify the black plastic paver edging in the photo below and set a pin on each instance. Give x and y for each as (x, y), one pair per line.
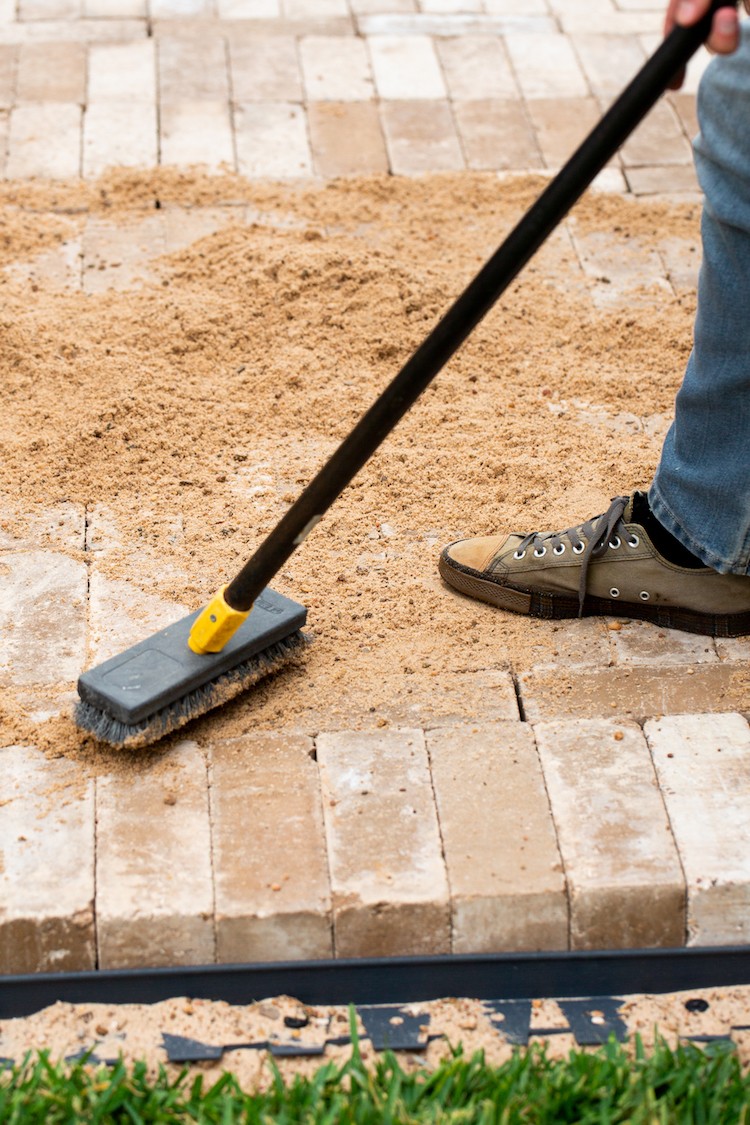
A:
(393, 979)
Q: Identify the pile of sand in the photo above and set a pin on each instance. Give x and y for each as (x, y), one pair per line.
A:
(211, 393)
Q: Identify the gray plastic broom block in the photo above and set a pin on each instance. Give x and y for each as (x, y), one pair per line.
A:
(162, 669)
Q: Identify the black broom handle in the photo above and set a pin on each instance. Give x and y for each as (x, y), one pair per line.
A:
(467, 311)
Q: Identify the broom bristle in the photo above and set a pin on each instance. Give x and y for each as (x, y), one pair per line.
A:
(194, 703)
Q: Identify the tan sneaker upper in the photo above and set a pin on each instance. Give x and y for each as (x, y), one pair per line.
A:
(625, 568)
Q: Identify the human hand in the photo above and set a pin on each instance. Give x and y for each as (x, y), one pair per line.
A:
(725, 33)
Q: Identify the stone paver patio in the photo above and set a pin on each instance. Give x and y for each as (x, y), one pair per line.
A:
(599, 801)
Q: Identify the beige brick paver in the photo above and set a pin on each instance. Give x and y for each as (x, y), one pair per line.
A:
(639, 643)
(609, 62)
(47, 864)
(476, 67)
(191, 70)
(657, 180)
(496, 135)
(76, 31)
(51, 72)
(590, 19)
(42, 617)
(62, 525)
(582, 644)
(119, 134)
(421, 137)
(546, 66)
(681, 257)
(4, 126)
(511, 8)
(632, 692)
(733, 648)
(504, 870)
(685, 108)
(487, 694)
(622, 272)
(335, 69)
(388, 880)
(273, 899)
(265, 69)
(333, 129)
(44, 141)
(48, 9)
(118, 610)
(179, 9)
(561, 124)
(406, 68)
(624, 878)
(122, 72)
(197, 133)
(450, 24)
(451, 6)
(8, 76)
(108, 9)
(272, 141)
(703, 764)
(248, 9)
(659, 139)
(154, 882)
(375, 7)
(313, 9)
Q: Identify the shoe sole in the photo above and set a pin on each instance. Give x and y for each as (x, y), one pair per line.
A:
(536, 603)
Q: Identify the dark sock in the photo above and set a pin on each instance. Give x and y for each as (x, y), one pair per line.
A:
(666, 544)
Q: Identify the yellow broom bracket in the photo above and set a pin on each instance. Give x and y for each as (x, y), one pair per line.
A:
(215, 625)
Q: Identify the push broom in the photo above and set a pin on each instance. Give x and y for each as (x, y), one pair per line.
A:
(211, 655)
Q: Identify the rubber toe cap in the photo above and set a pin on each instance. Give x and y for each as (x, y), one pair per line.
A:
(476, 554)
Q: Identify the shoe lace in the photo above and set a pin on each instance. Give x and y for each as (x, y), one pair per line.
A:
(592, 537)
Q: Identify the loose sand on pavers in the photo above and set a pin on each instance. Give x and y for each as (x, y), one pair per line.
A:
(135, 1030)
(208, 395)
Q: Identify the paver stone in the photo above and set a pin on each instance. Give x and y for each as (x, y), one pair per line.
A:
(46, 864)
(390, 892)
(504, 869)
(154, 883)
(703, 765)
(625, 882)
(273, 900)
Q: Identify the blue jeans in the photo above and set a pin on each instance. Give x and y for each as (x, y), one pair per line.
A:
(701, 490)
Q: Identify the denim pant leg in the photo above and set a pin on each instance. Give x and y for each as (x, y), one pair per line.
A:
(701, 490)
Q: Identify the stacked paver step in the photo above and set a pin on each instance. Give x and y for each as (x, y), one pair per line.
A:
(501, 836)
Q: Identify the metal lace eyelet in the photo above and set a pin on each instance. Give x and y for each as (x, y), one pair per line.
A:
(559, 549)
(519, 555)
(578, 548)
(614, 592)
(540, 552)
(633, 541)
(644, 595)
(615, 543)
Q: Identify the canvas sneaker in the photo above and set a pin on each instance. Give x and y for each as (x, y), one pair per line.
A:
(607, 565)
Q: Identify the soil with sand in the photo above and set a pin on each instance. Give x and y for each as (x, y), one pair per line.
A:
(135, 1031)
(204, 397)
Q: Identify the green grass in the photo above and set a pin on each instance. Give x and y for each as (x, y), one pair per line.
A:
(684, 1085)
